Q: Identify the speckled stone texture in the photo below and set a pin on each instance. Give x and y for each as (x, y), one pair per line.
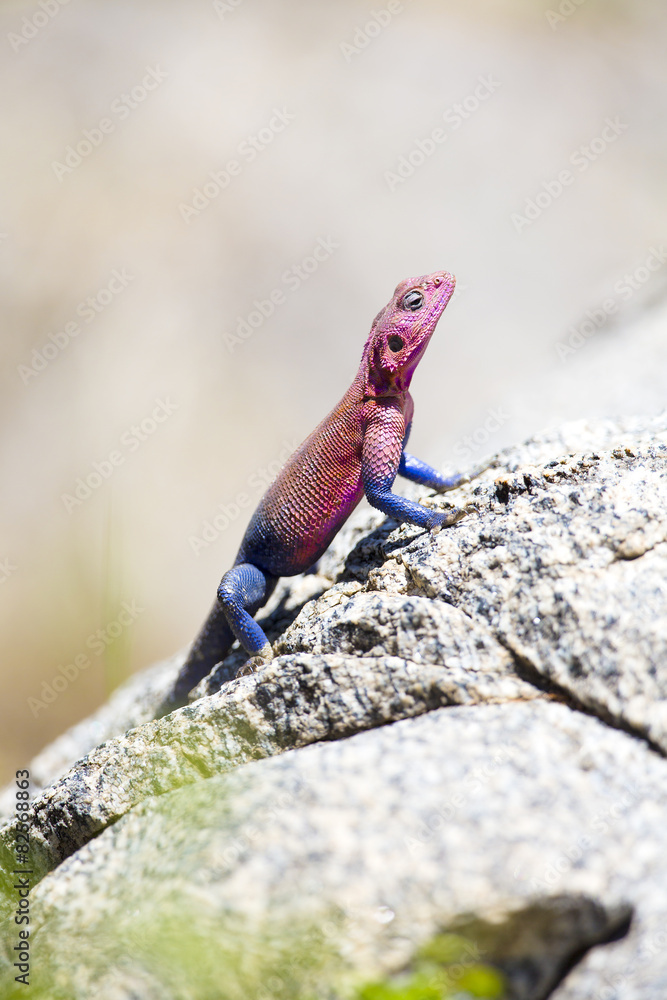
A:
(472, 809)
(525, 651)
(292, 702)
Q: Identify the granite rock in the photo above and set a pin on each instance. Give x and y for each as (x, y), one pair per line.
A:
(292, 702)
(468, 728)
(467, 814)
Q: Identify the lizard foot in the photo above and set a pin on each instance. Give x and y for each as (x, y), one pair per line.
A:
(450, 517)
(264, 656)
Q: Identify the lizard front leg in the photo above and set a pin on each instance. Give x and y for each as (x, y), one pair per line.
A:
(419, 472)
(381, 458)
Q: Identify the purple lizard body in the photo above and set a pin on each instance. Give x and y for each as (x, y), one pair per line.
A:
(357, 449)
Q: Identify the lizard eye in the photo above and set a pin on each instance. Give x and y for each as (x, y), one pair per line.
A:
(412, 300)
(395, 344)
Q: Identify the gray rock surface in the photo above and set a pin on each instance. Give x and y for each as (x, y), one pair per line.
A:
(131, 705)
(136, 701)
(531, 640)
(290, 703)
(471, 809)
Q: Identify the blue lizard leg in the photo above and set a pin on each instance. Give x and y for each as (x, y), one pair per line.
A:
(381, 457)
(419, 472)
(379, 494)
(242, 591)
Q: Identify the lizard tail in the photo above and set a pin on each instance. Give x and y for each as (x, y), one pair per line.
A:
(210, 647)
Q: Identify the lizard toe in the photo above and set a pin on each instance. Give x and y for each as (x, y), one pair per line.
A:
(253, 664)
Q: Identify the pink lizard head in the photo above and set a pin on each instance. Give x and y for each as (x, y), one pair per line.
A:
(401, 331)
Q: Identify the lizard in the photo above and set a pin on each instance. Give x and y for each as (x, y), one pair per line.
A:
(357, 450)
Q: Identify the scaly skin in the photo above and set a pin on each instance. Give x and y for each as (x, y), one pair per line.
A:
(357, 449)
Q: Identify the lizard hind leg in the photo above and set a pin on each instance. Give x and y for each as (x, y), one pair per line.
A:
(242, 591)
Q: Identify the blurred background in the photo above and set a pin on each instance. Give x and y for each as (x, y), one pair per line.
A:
(204, 204)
